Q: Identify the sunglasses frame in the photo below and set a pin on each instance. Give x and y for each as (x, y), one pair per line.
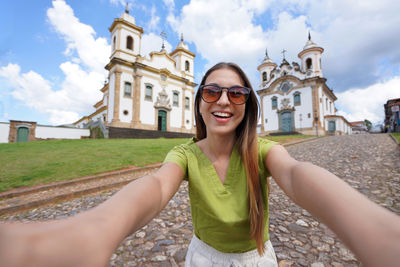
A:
(227, 93)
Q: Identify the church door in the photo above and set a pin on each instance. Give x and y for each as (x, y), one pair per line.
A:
(22, 134)
(332, 126)
(286, 120)
(162, 120)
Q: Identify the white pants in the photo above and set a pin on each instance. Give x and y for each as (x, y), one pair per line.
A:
(202, 255)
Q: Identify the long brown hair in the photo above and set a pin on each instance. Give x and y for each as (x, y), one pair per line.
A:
(246, 141)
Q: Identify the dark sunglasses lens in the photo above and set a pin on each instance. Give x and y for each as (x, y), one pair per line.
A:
(210, 93)
(238, 95)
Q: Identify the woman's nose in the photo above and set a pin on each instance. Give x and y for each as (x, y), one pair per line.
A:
(223, 100)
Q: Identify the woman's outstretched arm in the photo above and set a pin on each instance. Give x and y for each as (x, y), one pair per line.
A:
(370, 231)
(90, 238)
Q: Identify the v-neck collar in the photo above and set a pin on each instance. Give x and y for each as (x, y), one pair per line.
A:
(211, 169)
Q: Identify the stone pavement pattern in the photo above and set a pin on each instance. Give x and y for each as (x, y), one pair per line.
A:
(369, 163)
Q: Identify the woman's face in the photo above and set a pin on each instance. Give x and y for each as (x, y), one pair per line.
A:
(222, 117)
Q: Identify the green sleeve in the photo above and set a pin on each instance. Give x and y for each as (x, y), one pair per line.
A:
(178, 155)
(264, 145)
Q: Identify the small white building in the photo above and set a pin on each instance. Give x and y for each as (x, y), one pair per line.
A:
(295, 98)
(24, 131)
(147, 93)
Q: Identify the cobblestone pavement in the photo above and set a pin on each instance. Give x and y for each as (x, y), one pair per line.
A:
(369, 163)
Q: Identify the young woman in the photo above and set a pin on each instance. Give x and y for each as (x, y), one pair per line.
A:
(227, 167)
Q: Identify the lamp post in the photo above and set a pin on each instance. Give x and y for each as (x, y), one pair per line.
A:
(316, 121)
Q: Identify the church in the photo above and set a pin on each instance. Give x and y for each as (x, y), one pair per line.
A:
(144, 95)
(295, 97)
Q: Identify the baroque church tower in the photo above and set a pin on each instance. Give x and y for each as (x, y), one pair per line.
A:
(150, 93)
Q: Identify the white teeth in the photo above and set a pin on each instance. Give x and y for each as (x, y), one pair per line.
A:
(222, 114)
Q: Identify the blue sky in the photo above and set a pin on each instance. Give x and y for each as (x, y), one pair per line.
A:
(52, 53)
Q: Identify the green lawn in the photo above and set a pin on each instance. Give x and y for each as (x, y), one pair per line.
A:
(26, 164)
(40, 162)
(397, 136)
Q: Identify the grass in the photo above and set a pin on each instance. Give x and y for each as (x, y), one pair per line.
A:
(40, 162)
(282, 139)
(397, 136)
(31, 163)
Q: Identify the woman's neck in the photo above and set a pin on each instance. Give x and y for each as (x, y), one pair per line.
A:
(219, 146)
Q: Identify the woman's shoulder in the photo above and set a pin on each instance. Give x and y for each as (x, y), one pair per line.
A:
(262, 141)
(188, 146)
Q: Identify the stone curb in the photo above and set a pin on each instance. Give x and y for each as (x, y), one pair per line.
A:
(10, 194)
(63, 197)
(71, 195)
(302, 141)
(394, 139)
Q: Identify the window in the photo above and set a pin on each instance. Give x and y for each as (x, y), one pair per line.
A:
(309, 63)
(285, 87)
(129, 42)
(296, 99)
(148, 92)
(326, 103)
(127, 89)
(187, 103)
(175, 99)
(126, 112)
(330, 106)
(187, 66)
(264, 76)
(114, 43)
(274, 102)
(309, 115)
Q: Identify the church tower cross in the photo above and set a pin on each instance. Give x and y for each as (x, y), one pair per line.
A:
(163, 36)
(283, 52)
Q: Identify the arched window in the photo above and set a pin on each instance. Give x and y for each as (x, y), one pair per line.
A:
(129, 42)
(148, 92)
(114, 40)
(127, 89)
(274, 101)
(296, 99)
(264, 76)
(285, 87)
(187, 66)
(308, 64)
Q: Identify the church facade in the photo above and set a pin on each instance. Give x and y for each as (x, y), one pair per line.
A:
(147, 93)
(295, 97)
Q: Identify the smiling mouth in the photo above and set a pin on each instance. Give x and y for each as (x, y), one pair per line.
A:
(222, 114)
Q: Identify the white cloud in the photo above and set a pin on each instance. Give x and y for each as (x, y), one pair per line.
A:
(154, 20)
(84, 73)
(152, 42)
(222, 31)
(79, 37)
(367, 103)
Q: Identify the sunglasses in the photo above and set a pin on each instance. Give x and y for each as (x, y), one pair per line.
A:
(237, 94)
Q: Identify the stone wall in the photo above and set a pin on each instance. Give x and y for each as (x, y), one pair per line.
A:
(116, 132)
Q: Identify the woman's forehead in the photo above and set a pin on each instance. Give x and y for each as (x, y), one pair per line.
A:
(224, 77)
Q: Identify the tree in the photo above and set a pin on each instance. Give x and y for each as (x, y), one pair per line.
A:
(368, 124)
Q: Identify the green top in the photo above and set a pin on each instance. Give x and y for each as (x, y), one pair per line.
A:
(220, 212)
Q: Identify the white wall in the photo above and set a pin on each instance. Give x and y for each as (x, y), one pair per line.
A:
(45, 132)
(4, 132)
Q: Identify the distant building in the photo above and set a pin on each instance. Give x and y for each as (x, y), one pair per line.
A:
(392, 115)
(358, 127)
(155, 93)
(296, 98)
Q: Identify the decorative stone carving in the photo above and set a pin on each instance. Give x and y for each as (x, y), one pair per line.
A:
(285, 103)
(163, 100)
